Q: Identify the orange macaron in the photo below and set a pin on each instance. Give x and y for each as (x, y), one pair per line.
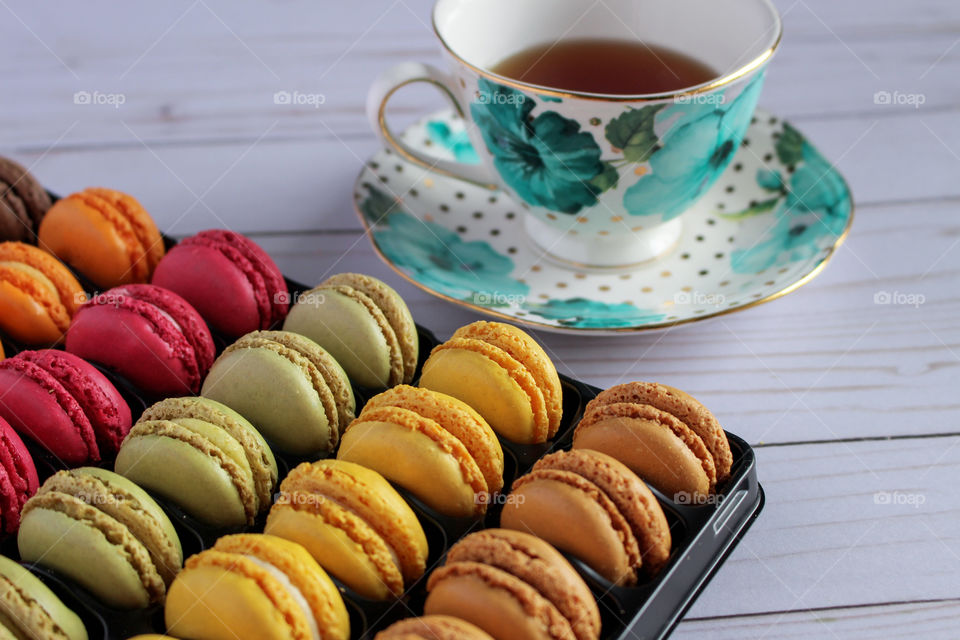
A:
(104, 234)
(38, 294)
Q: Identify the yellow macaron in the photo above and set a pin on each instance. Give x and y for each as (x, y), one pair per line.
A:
(431, 444)
(255, 586)
(354, 524)
(503, 373)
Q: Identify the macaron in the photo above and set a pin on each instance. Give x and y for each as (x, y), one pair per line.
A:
(29, 609)
(104, 533)
(18, 477)
(594, 508)
(38, 294)
(503, 373)
(663, 434)
(431, 444)
(64, 404)
(104, 234)
(364, 324)
(289, 387)
(354, 524)
(432, 628)
(514, 586)
(255, 586)
(198, 465)
(228, 278)
(148, 334)
(23, 202)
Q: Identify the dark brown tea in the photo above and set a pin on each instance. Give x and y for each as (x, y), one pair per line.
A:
(595, 65)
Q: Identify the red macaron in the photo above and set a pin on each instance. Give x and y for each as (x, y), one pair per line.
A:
(228, 278)
(148, 334)
(18, 477)
(64, 404)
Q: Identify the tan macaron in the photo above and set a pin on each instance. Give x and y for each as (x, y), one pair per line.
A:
(663, 434)
(503, 373)
(593, 507)
(432, 444)
(432, 628)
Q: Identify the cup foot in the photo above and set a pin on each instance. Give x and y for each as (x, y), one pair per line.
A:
(624, 251)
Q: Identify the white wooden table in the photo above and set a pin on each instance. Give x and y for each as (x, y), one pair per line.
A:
(853, 405)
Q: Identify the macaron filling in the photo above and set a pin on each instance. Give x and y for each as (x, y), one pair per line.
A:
(292, 590)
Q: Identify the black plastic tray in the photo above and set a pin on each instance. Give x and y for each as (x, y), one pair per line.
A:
(703, 535)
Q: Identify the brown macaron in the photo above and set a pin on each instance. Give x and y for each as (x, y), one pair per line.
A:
(514, 586)
(23, 203)
(432, 628)
(594, 508)
(663, 434)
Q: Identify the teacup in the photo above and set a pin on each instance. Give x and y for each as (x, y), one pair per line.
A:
(604, 179)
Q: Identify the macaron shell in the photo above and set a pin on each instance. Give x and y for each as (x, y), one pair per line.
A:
(21, 190)
(653, 444)
(88, 233)
(276, 395)
(217, 603)
(103, 405)
(420, 457)
(9, 503)
(502, 605)
(43, 410)
(486, 387)
(524, 349)
(173, 463)
(144, 228)
(260, 458)
(43, 609)
(433, 628)
(216, 287)
(682, 406)
(51, 538)
(29, 311)
(68, 289)
(347, 329)
(394, 309)
(541, 566)
(455, 416)
(573, 515)
(15, 458)
(340, 542)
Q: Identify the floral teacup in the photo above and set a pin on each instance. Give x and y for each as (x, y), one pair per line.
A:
(603, 178)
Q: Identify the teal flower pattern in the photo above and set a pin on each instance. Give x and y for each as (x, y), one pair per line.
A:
(811, 209)
(456, 142)
(583, 313)
(546, 160)
(692, 153)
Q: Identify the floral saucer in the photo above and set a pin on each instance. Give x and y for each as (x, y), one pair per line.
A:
(767, 226)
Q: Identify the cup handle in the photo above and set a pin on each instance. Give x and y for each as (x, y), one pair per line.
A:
(383, 88)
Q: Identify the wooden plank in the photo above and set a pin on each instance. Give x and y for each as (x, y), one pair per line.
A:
(928, 620)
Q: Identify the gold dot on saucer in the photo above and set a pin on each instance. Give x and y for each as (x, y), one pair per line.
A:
(665, 274)
(603, 233)
(639, 227)
(616, 219)
(667, 303)
(550, 216)
(630, 302)
(583, 220)
(646, 289)
(640, 171)
(769, 283)
(724, 283)
(579, 276)
(561, 285)
(758, 295)
(573, 232)
(536, 267)
(521, 281)
(625, 276)
(784, 270)
(428, 182)
(604, 287)
(686, 289)
(463, 84)
(543, 296)
(428, 218)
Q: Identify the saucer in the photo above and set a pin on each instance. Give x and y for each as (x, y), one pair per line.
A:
(768, 225)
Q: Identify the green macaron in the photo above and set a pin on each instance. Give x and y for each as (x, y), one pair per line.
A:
(103, 532)
(290, 388)
(202, 456)
(364, 323)
(28, 609)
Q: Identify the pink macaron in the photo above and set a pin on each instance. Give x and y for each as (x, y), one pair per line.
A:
(18, 477)
(146, 333)
(64, 404)
(228, 278)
